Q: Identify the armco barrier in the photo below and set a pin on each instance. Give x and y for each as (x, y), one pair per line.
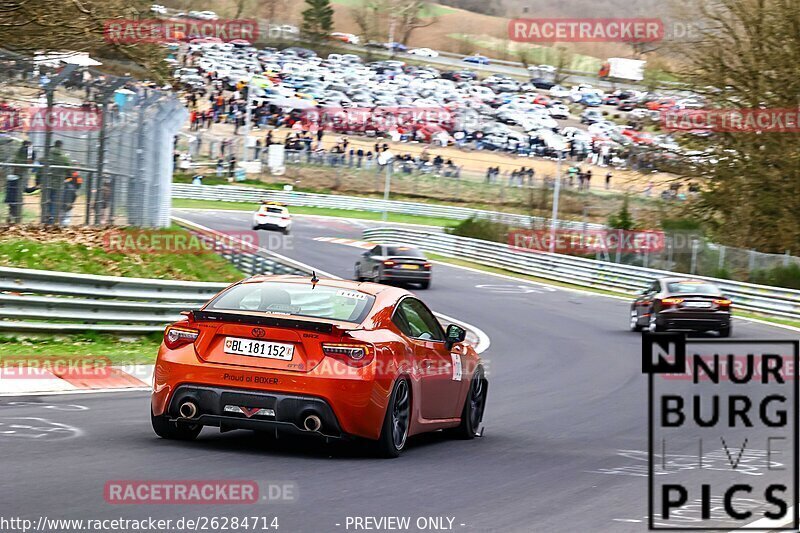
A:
(229, 193)
(771, 301)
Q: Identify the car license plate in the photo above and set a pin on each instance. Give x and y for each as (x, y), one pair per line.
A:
(697, 305)
(410, 267)
(256, 348)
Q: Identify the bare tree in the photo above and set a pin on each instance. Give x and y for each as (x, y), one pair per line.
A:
(270, 9)
(76, 25)
(563, 62)
(368, 16)
(408, 15)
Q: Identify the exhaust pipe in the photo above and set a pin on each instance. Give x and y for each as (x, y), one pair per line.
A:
(188, 410)
(312, 423)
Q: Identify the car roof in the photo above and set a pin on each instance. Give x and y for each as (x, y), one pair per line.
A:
(675, 279)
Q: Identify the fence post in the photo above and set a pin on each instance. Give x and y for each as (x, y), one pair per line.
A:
(693, 267)
(721, 263)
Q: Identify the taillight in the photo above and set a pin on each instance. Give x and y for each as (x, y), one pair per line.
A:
(426, 265)
(177, 336)
(356, 355)
(669, 302)
(723, 302)
(388, 263)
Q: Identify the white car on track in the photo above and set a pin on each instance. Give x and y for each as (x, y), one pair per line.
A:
(274, 216)
(424, 52)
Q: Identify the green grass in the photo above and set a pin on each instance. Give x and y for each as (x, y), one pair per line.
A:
(320, 211)
(69, 256)
(111, 348)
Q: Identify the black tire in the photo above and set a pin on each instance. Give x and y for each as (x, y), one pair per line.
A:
(256, 228)
(174, 430)
(653, 326)
(396, 422)
(425, 285)
(634, 325)
(474, 406)
(357, 276)
(285, 231)
(726, 331)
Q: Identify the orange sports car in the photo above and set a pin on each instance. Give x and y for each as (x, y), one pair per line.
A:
(331, 358)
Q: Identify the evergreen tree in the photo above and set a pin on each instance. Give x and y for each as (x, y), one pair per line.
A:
(318, 19)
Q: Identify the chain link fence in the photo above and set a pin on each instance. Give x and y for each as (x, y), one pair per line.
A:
(78, 146)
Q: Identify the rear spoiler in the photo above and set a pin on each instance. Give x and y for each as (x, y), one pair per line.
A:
(216, 316)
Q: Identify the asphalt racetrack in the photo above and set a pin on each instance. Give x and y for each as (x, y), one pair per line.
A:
(565, 446)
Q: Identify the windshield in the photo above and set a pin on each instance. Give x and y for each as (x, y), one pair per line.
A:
(692, 287)
(295, 299)
(406, 251)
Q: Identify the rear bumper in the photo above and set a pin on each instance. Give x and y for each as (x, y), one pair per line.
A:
(349, 401)
(289, 410)
(694, 321)
(275, 226)
(406, 275)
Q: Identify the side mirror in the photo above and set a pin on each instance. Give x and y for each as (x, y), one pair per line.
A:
(455, 334)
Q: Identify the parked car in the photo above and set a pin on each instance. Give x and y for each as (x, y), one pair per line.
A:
(591, 116)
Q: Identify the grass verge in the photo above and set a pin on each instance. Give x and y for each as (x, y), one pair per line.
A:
(84, 251)
(320, 211)
(117, 350)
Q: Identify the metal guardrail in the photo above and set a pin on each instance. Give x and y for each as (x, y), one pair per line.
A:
(770, 301)
(229, 193)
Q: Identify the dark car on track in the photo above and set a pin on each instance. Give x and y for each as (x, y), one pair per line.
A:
(681, 304)
(394, 262)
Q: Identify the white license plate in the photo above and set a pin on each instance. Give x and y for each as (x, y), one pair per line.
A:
(697, 305)
(256, 348)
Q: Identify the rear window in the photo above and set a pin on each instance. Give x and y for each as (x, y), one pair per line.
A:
(295, 300)
(406, 251)
(274, 210)
(692, 287)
